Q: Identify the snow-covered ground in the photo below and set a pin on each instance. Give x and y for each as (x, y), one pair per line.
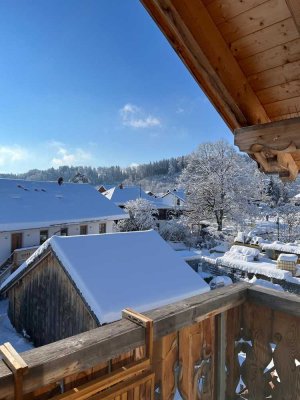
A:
(8, 333)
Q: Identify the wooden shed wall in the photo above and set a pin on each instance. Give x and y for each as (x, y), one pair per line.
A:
(47, 306)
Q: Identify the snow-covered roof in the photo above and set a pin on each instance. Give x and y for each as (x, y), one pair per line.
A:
(288, 258)
(122, 195)
(292, 248)
(119, 270)
(189, 255)
(179, 193)
(32, 204)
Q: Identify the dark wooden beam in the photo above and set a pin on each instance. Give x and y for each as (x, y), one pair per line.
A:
(50, 363)
(196, 39)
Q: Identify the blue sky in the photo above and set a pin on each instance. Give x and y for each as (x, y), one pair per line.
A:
(94, 82)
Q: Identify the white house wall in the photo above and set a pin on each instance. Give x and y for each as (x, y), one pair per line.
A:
(5, 246)
(31, 237)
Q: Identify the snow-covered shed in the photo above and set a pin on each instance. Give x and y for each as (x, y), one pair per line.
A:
(32, 211)
(76, 283)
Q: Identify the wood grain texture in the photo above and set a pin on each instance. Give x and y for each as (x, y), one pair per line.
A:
(190, 29)
(275, 57)
(223, 10)
(46, 304)
(280, 92)
(196, 360)
(269, 341)
(286, 333)
(232, 362)
(257, 325)
(271, 36)
(294, 7)
(164, 365)
(280, 301)
(54, 361)
(285, 131)
(255, 19)
(275, 76)
(282, 107)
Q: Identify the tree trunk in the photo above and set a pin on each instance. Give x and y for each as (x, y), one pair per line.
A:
(219, 217)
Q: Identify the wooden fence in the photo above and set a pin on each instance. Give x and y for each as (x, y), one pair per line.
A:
(238, 342)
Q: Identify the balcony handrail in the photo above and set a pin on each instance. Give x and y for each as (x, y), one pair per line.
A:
(52, 362)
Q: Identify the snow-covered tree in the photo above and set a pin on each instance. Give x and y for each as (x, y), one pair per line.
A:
(220, 183)
(290, 216)
(174, 230)
(142, 216)
(80, 178)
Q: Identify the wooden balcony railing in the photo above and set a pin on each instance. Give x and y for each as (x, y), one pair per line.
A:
(237, 342)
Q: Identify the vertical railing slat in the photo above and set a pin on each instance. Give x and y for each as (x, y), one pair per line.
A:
(221, 367)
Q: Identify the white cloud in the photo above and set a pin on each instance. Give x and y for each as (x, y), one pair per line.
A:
(9, 154)
(179, 110)
(135, 117)
(144, 123)
(66, 156)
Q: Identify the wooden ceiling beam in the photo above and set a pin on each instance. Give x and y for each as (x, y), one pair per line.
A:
(273, 145)
(278, 135)
(294, 7)
(194, 36)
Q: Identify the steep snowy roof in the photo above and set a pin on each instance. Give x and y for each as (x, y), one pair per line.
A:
(179, 193)
(31, 204)
(120, 196)
(119, 270)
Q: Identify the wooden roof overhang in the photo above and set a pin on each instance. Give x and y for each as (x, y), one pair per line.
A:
(245, 55)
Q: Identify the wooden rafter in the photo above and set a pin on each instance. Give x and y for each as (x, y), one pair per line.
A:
(191, 31)
(245, 56)
(294, 7)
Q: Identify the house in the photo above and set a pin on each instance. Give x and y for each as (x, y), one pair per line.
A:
(31, 212)
(150, 193)
(81, 282)
(174, 198)
(103, 188)
(121, 194)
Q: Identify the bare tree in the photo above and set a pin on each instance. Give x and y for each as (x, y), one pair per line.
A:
(219, 183)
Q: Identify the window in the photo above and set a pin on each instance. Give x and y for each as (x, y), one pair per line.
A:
(102, 228)
(43, 236)
(64, 232)
(83, 229)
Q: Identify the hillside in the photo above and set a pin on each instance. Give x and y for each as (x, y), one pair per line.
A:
(156, 176)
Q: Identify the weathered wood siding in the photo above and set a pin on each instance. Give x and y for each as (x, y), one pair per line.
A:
(47, 306)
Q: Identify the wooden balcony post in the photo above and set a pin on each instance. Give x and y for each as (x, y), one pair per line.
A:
(221, 356)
